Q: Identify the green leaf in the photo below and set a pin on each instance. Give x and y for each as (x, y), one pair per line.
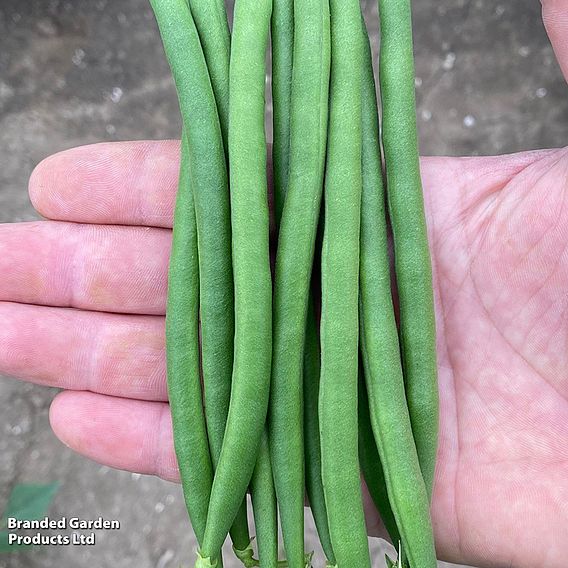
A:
(29, 502)
(5, 547)
(26, 502)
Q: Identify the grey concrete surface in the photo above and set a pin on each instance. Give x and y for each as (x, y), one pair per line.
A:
(75, 72)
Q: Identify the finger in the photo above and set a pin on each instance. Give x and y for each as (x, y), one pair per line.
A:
(105, 353)
(555, 17)
(126, 434)
(92, 267)
(128, 183)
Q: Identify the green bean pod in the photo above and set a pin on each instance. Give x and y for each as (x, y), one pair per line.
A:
(282, 36)
(212, 209)
(264, 507)
(406, 206)
(213, 29)
(182, 347)
(212, 212)
(371, 466)
(214, 244)
(312, 450)
(180, 36)
(340, 288)
(387, 407)
(213, 215)
(251, 269)
(294, 258)
(374, 256)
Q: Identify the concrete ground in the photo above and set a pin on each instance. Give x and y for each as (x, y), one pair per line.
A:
(75, 72)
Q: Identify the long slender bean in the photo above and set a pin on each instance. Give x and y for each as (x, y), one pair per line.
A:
(371, 465)
(264, 507)
(211, 198)
(182, 345)
(340, 276)
(296, 242)
(179, 34)
(214, 245)
(406, 207)
(282, 34)
(212, 26)
(213, 29)
(312, 450)
(212, 212)
(374, 256)
(212, 234)
(253, 288)
(387, 410)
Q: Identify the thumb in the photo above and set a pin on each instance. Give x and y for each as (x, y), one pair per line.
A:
(555, 17)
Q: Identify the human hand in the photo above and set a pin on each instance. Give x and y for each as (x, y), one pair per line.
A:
(82, 300)
(498, 236)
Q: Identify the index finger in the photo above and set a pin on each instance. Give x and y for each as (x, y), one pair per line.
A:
(123, 183)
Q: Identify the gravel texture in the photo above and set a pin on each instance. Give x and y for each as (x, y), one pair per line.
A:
(83, 71)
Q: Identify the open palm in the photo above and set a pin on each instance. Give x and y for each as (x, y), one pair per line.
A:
(82, 303)
(499, 233)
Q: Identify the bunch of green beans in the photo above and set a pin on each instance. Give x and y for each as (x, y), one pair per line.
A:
(290, 379)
